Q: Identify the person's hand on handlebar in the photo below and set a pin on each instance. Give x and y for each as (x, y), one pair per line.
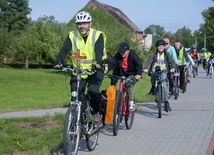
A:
(58, 66)
(98, 66)
(137, 77)
(172, 70)
(145, 70)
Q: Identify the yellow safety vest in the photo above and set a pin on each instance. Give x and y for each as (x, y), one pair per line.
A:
(86, 49)
(181, 59)
(207, 55)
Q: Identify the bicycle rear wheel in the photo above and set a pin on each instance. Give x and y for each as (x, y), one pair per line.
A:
(129, 116)
(92, 137)
(117, 113)
(159, 101)
(71, 134)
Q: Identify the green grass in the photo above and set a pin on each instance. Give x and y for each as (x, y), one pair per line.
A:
(46, 88)
(33, 135)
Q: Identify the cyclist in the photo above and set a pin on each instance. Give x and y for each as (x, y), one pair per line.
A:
(125, 63)
(183, 60)
(207, 55)
(172, 52)
(195, 56)
(191, 64)
(210, 61)
(91, 43)
(163, 59)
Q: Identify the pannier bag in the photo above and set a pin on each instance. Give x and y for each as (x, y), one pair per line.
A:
(108, 104)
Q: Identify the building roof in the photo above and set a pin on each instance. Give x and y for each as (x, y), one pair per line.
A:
(116, 13)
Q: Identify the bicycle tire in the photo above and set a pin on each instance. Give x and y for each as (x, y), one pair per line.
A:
(184, 88)
(176, 88)
(194, 72)
(159, 101)
(92, 138)
(211, 72)
(71, 134)
(117, 113)
(129, 118)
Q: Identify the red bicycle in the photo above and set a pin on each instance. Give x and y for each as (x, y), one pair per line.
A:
(121, 108)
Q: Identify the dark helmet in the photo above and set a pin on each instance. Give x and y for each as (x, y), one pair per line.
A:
(160, 42)
(212, 56)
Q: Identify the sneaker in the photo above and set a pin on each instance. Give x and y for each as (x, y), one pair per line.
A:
(167, 107)
(97, 119)
(188, 81)
(131, 105)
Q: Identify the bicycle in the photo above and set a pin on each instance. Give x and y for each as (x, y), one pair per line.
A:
(195, 69)
(159, 91)
(121, 108)
(211, 70)
(79, 122)
(176, 83)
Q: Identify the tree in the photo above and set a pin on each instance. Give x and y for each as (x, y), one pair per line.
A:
(184, 35)
(13, 14)
(156, 30)
(208, 27)
(6, 40)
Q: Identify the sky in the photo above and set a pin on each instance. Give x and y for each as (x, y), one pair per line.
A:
(170, 14)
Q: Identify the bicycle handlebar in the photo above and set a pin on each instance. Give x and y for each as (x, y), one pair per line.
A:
(78, 70)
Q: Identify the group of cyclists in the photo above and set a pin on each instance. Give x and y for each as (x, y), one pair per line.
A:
(91, 44)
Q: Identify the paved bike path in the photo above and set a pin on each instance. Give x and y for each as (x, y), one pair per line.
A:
(187, 130)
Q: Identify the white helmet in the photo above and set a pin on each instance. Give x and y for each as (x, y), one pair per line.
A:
(83, 17)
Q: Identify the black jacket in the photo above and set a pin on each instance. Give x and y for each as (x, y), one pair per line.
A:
(135, 66)
(153, 58)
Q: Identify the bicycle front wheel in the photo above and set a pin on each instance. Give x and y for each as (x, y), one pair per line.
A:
(117, 113)
(92, 137)
(176, 88)
(71, 134)
(159, 101)
(129, 116)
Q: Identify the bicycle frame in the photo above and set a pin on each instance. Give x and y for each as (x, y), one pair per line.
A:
(125, 98)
